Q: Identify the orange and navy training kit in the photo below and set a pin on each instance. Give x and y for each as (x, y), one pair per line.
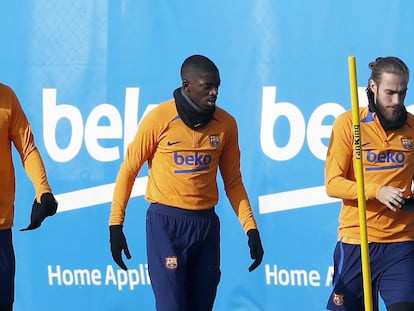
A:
(388, 160)
(14, 128)
(182, 189)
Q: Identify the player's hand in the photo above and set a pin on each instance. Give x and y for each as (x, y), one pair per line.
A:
(256, 248)
(47, 207)
(391, 197)
(118, 244)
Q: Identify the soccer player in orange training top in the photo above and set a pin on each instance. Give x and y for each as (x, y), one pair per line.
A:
(185, 141)
(15, 128)
(387, 134)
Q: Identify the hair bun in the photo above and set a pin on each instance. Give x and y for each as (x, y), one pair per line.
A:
(372, 64)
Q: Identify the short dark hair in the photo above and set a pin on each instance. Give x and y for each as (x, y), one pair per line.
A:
(198, 63)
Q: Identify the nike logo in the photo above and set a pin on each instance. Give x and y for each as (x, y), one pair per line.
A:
(366, 144)
(170, 143)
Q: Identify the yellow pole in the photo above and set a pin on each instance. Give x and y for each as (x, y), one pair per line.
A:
(366, 271)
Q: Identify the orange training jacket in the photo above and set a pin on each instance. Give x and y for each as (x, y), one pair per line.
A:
(183, 164)
(388, 160)
(15, 128)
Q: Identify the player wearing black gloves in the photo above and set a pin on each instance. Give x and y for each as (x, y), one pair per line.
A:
(256, 248)
(186, 141)
(47, 207)
(15, 129)
(118, 244)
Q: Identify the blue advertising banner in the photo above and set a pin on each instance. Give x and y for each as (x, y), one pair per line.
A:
(86, 72)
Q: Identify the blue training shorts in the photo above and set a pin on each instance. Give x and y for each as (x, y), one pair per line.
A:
(7, 267)
(392, 275)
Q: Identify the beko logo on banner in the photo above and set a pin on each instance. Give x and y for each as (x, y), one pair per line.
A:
(315, 131)
(91, 132)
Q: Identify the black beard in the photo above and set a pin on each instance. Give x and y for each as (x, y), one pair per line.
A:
(389, 123)
(390, 117)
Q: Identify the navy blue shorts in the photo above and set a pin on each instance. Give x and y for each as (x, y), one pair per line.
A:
(392, 275)
(183, 249)
(7, 267)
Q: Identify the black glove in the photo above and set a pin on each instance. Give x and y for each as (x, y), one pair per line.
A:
(47, 207)
(256, 248)
(408, 205)
(118, 244)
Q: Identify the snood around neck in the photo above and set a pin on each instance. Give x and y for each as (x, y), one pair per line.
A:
(193, 116)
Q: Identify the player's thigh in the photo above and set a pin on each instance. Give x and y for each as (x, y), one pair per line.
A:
(347, 292)
(7, 268)
(397, 281)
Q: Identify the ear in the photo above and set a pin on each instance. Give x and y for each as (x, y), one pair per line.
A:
(185, 84)
(373, 86)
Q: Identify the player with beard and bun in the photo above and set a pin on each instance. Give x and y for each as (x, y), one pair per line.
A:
(185, 141)
(387, 133)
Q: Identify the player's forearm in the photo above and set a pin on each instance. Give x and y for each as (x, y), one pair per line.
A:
(36, 171)
(343, 188)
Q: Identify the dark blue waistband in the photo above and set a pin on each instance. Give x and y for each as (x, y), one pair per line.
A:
(175, 211)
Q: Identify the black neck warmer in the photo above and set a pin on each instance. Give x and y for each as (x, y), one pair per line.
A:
(387, 125)
(193, 116)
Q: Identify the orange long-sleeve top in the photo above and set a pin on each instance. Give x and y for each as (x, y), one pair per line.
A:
(15, 128)
(183, 164)
(388, 160)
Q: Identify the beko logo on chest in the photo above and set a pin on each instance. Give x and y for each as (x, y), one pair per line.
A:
(195, 159)
(386, 157)
(194, 162)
